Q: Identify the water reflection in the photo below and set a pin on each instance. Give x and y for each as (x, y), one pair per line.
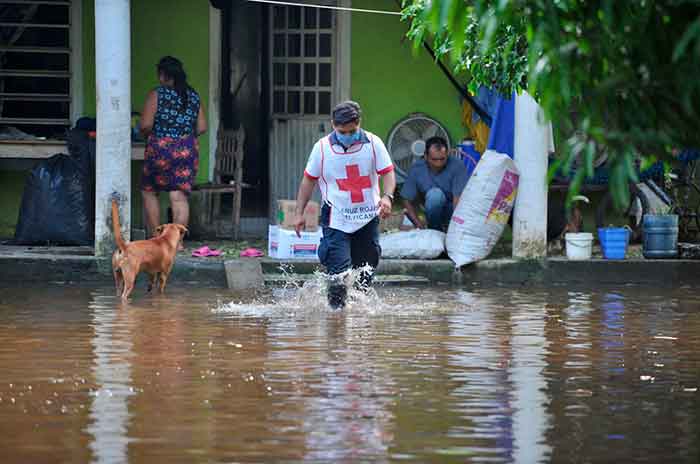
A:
(530, 418)
(420, 375)
(109, 410)
(569, 374)
(612, 331)
(347, 417)
(481, 353)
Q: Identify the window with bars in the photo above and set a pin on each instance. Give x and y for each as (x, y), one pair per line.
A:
(302, 57)
(35, 66)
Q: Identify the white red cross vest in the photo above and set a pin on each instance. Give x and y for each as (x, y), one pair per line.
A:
(349, 180)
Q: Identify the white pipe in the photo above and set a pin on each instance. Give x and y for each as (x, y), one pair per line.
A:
(533, 141)
(113, 84)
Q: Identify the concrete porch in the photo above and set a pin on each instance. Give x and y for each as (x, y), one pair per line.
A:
(77, 265)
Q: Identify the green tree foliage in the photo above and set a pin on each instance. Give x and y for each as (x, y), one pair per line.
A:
(616, 75)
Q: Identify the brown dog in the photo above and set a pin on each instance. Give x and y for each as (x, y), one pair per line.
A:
(155, 256)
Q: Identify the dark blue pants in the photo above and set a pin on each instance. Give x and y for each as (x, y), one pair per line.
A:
(438, 209)
(340, 252)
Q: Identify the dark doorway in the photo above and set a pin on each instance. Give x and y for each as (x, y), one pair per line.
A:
(244, 99)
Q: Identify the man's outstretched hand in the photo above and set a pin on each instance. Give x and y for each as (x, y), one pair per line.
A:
(299, 224)
(384, 208)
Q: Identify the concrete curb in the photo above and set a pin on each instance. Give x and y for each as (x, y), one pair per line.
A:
(595, 272)
(552, 271)
(37, 268)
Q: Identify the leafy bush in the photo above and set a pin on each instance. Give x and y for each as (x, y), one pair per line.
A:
(620, 76)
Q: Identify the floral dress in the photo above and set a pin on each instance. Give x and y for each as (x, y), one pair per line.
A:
(171, 159)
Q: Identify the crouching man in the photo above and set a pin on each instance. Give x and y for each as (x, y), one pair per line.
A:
(439, 180)
(347, 166)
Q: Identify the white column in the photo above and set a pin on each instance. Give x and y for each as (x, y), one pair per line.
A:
(533, 141)
(113, 76)
(215, 39)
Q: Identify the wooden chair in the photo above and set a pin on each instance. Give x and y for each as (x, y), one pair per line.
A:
(229, 163)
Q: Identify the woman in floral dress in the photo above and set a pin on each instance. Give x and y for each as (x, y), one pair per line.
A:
(172, 119)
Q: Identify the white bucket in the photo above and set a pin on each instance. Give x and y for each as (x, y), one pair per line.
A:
(579, 246)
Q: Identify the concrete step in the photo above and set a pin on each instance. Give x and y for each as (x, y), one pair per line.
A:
(17, 250)
(278, 280)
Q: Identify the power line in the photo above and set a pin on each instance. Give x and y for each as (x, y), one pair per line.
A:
(328, 7)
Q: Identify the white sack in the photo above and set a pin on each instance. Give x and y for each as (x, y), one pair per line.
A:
(413, 244)
(483, 209)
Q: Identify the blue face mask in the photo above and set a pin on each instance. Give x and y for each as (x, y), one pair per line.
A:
(348, 139)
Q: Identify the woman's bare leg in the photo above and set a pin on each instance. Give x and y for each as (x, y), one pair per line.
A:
(181, 209)
(152, 209)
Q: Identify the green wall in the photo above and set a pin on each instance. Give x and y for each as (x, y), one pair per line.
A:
(13, 185)
(158, 27)
(390, 81)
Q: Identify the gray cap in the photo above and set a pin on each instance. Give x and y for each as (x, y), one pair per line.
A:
(346, 112)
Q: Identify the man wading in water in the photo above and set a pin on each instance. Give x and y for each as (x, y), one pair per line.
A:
(347, 165)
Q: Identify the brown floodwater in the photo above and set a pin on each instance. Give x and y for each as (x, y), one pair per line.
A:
(416, 375)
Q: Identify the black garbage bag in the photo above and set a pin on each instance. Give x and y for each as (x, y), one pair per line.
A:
(81, 147)
(57, 204)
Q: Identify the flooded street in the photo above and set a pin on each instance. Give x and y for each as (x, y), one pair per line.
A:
(418, 375)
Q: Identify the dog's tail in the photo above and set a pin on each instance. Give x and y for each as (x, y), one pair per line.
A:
(116, 227)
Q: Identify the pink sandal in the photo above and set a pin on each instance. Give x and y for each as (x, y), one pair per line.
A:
(205, 251)
(252, 253)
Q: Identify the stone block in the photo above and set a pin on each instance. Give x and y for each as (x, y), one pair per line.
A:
(244, 274)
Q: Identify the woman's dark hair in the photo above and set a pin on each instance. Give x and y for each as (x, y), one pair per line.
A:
(172, 68)
(436, 141)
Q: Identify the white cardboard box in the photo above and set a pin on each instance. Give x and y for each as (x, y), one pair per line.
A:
(284, 244)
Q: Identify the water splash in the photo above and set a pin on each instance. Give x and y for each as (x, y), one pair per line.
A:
(294, 296)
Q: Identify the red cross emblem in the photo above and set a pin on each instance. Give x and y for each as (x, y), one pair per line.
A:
(355, 183)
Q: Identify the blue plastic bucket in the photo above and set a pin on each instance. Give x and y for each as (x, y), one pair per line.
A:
(660, 236)
(613, 241)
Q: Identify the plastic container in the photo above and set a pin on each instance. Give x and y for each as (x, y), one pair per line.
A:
(613, 241)
(660, 236)
(579, 246)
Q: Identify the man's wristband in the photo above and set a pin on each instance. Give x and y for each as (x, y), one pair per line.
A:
(390, 196)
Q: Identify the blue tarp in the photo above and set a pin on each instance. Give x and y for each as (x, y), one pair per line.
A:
(502, 135)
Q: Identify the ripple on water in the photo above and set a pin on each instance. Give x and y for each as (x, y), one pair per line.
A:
(404, 374)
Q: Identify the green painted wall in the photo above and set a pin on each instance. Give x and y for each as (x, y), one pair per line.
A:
(158, 27)
(182, 32)
(390, 81)
(13, 185)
